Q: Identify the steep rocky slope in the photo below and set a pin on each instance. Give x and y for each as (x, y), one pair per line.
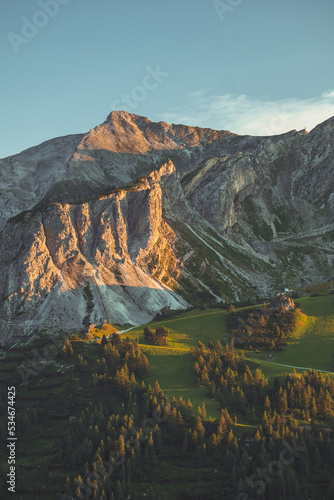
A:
(111, 259)
(136, 216)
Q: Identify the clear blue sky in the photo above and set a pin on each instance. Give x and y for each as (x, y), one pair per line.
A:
(249, 66)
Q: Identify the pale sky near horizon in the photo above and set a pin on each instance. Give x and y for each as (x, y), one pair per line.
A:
(249, 66)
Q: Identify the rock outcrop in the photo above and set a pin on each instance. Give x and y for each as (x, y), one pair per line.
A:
(110, 258)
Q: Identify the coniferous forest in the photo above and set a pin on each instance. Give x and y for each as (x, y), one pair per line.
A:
(105, 433)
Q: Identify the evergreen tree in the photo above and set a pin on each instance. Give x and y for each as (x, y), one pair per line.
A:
(104, 341)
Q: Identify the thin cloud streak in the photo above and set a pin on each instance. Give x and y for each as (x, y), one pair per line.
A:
(248, 116)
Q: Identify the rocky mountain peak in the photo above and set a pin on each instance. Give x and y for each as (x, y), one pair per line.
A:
(146, 135)
(140, 215)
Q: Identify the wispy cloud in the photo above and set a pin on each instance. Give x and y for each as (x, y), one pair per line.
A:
(245, 115)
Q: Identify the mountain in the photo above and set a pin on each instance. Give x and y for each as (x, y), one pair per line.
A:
(136, 216)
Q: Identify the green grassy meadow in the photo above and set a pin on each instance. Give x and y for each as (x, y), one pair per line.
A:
(310, 346)
(190, 327)
(173, 366)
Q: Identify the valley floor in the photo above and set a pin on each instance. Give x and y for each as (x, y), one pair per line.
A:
(311, 346)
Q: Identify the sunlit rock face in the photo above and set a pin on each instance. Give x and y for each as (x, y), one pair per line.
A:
(136, 216)
(112, 258)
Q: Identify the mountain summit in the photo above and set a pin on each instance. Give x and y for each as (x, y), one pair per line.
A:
(135, 216)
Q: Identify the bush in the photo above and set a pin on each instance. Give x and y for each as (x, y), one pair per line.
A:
(157, 336)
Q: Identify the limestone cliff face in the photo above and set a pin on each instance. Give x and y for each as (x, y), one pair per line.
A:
(277, 201)
(111, 258)
(136, 216)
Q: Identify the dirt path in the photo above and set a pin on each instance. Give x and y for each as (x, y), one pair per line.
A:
(290, 366)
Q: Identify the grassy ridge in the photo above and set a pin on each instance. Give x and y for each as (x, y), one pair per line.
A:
(189, 328)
